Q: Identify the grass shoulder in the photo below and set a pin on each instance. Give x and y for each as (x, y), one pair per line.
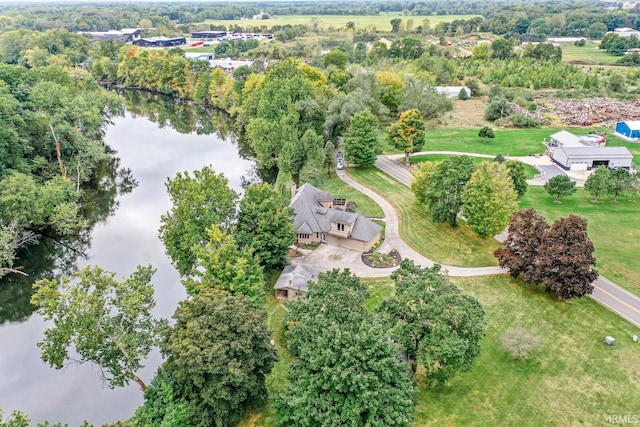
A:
(444, 244)
(614, 229)
(573, 379)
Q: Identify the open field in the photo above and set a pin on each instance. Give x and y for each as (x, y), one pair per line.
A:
(380, 22)
(614, 229)
(515, 142)
(588, 53)
(454, 246)
(574, 380)
(529, 170)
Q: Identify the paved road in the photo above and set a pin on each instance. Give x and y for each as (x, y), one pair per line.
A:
(605, 292)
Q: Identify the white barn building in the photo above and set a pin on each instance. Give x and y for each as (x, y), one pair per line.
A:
(584, 158)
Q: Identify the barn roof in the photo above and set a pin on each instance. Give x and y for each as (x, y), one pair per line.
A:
(596, 152)
(633, 124)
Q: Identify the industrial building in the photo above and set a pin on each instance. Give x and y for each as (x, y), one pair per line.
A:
(160, 41)
(629, 130)
(126, 34)
(585, 158)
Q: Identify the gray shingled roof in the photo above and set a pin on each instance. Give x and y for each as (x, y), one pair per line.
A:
(364, 229)
(310, 217)
(342, 217)
(597, 153)
(297, 277)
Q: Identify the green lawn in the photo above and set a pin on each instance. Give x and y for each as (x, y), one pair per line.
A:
(589, 53)
(529, 170)
(574, 380)
(440, 242)
(325, 22)
(339, 189)
(614, 229)
(514, 142)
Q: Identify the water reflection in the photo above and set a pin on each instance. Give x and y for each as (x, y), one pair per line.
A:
(59, 255)
(124, 234)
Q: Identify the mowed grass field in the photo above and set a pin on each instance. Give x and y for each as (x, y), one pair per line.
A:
(614, 229)
(515, 142)
(590, 53)
(575, 379)
(380, 22)
(444, 244)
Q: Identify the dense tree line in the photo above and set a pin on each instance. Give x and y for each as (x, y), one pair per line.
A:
(52, 123)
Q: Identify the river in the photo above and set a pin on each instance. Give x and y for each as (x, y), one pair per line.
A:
(153, 151)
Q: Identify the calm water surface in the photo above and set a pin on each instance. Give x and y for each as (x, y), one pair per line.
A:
(124, 240)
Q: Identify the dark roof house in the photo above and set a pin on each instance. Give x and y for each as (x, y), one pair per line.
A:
(316, 220)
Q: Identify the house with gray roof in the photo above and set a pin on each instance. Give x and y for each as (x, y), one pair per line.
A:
(294, 282)
(320, 218)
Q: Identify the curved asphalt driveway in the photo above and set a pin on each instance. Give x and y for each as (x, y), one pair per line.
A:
(605, 292)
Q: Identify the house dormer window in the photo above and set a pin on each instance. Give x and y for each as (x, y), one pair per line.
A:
(340, 227)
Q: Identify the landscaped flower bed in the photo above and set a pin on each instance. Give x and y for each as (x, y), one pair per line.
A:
(381, 260)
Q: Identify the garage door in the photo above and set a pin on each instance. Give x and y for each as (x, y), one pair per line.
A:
(579, 166)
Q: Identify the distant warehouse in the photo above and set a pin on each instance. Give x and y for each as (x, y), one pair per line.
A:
(208, 34)
(160, 41)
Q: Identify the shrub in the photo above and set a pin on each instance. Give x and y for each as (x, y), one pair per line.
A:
(520, 343)
(522, 121)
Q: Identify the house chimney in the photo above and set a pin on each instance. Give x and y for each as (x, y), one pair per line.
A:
(290, 282)
(293, 188)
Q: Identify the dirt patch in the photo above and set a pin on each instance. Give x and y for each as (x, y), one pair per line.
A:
(467, 114)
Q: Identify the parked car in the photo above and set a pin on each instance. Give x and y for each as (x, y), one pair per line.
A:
(340, 164)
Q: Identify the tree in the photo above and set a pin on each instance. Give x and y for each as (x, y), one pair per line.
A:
(336, 57)
(347, 369)
(523, 245)
(481, 52)
(497, 108)
(443, 330)
(486, 132)
(162, 406)
(406, 48)
(598, 182)
(596, 30)
(222, 265)
(422, 180)
(408, 133)
(219, 354)
(265, 226)
(108, 323)
(361, 139)
(620, 179)
(518, 176)
(489, 199)
(198, 203)
(560, 185)
(634, 184)
(566, 260)
(395, 25)
(502, 48)
(442, 193)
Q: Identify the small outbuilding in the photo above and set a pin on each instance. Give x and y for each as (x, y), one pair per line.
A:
(585, 158)
(629, 130)
(294, 281)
